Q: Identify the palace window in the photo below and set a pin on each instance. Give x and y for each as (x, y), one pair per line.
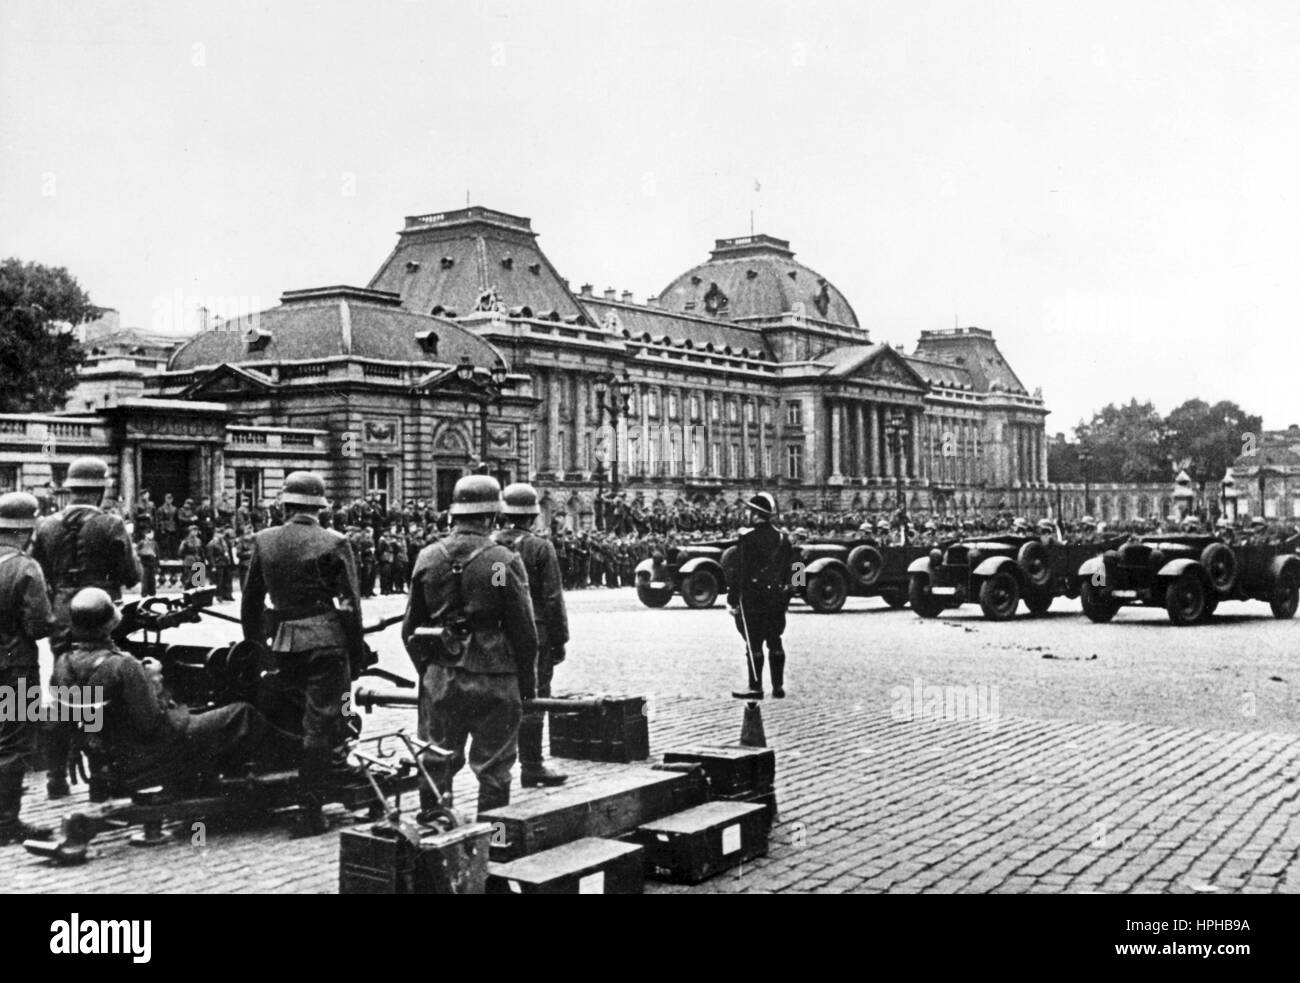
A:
(248, 486)
(715, 460)
(751, 460)
(794, 413)
(732, 414)
(766, 415)
(794, 462)
(695, 407)
(735, 461)
(749, 412)
(767, 462)
(8, 478)
(652, 403)
(714, 410)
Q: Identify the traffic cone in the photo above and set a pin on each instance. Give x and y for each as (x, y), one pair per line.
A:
(751, 728)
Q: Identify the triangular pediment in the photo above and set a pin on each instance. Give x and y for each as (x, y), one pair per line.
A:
(227, 380)
(874, 363)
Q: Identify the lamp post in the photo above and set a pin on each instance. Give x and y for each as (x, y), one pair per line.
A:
(1085, 461)
(896, 432)
(621, 387)
(485, 392)
(1229, 492)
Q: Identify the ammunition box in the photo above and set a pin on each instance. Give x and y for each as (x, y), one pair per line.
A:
(731, 769)
(376, 859)
(617, 731)
(585, 866)
(692, 846)
(608, 807)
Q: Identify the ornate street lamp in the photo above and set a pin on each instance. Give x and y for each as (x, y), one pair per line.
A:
(485, 392)
(622, 387)
(1085, 461)
(896, 433)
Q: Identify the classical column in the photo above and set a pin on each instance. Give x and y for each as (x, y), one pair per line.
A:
(580, 457)
(742, 466)
(1042, 456)
(706, 418)
(835, 439)
(761, 463)
(553, 422)
(873, 440)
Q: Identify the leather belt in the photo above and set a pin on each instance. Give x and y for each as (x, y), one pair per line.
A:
(301, 613)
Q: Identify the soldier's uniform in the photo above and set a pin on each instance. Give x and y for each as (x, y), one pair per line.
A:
(80, 546)
(318, 647)
(145, 737)
(477, 696)
(547, 594)
(758, 594)
(24, 617)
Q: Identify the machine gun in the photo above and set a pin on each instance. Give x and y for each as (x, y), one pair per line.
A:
(202, 678)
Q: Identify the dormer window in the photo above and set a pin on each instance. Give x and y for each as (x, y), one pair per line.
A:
(428, 342)
(751, 274)
(412, 266)
(446, 262)
(535, 269)
(256, 339)
(507, 263)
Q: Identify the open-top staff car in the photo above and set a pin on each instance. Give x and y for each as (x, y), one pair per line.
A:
(999, 572)
(694, 570)
(1189, 575)
(826, 573)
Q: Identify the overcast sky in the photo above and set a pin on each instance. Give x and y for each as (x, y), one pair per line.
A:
(1110, 187)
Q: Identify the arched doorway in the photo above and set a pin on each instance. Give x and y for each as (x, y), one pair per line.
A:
(450, 462)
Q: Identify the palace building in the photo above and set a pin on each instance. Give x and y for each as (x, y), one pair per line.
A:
(468, 349)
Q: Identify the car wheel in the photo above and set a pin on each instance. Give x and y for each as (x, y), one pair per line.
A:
(895, 597)
(924, 603)
(653, 597)
(1000, 596)
(1220, 564)
(1035, 563)
(1286, 596)
(1098, 605)
(826, 591)
(1038, 602)
(866, 564)
(1185, 599)
(700, 589)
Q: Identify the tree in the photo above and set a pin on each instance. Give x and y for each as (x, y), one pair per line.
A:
(1126, 443)
(39, 357)
(1206, 439)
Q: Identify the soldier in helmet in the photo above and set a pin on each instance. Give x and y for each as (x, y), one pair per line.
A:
(1225, 531)
(758, 594)
(80, 546)
(318, 646)
(471, 634)
(145, 737)
(519, 513)
(24, 617)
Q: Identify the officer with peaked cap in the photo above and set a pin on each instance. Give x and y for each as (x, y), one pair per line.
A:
(318, 645)
(471, 634)
(758, 592)
(80, 546)
(519, 512)
(24, 617)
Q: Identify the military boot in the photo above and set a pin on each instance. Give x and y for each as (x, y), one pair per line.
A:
(58, 748)
(532, 769)
(491, 797)
(777, 662)
(754, 665)
(310, 820)
(13, 829)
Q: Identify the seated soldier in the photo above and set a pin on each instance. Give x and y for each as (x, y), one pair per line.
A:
(144, 736)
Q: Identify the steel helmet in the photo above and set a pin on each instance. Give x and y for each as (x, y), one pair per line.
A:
(18, 511)
(476, 494)
(520, 499)
(762, 503)
(304, 488)
(87, 472)
(92, 613)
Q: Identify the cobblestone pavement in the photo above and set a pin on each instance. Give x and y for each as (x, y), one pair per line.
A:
(1131, 757)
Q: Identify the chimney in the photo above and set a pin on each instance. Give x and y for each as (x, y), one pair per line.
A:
(652, 302)
(585, 290)
(609, 293)
(627, 296)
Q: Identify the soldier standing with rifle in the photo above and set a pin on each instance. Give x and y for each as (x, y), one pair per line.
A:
(470, 632)
(758, 592)
(80, 546)
(24, 617)
(318, 647)
(520, 513)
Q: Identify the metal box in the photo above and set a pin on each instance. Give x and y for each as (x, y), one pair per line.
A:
(692, 846)
(617, 730)
(379, 859)
(586, 866)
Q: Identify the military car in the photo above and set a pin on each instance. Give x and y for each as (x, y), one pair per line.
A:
(694, 570)
(999, 572)
(826, 573)
(1188, 575)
